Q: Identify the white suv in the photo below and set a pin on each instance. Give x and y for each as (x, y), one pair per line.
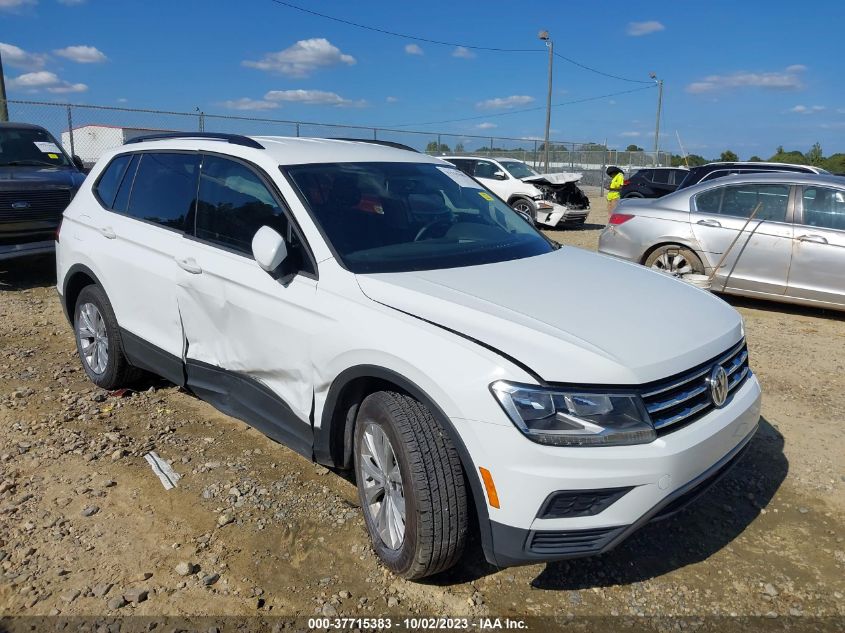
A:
(376, 309)
(551, 199)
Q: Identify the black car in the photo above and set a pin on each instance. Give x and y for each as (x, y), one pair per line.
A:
(711, 171)
(655, 182)
(37, 181)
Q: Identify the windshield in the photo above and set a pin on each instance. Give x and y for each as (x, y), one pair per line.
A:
(394, 217)
(518, 169)
(29, 147)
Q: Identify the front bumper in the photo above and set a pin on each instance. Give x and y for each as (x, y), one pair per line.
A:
(14, 251)
(559, 214)
(660, 477)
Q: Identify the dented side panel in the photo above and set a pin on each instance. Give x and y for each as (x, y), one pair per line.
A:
(238, 318)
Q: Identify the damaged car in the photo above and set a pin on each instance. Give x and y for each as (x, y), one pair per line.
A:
(553, 200)
(407, 341)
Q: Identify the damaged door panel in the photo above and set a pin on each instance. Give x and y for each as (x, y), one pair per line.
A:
(248, 342)
(247, 335)
(759, 261)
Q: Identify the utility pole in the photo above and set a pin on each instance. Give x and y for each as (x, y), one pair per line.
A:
(659, 83)
(4, 108)
(544, 35)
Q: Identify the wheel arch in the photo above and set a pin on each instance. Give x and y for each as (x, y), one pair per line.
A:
(672, 242)
(77, 277)
(520, 196)
(333, 440)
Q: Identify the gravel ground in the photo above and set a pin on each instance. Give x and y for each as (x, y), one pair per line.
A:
(87, 529)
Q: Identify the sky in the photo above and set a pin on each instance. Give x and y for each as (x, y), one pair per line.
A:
(746, 76)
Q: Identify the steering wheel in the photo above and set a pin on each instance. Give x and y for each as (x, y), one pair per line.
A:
(428, 226)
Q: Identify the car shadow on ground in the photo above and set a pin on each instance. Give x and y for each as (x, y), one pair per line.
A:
(784, 308)
(27, 272)
(709, 524)
(579, 227)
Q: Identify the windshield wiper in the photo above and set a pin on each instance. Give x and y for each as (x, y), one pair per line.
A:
(29, 162)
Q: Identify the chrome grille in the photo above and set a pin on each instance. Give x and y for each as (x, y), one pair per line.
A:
(682, 399)
(44, 204)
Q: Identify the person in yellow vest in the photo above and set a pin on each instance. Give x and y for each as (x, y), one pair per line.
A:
(617, 179)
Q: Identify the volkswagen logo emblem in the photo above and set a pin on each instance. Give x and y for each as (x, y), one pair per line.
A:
(718, 382)
(21, 205)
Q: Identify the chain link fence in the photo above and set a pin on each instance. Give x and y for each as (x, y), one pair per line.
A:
(90, 130)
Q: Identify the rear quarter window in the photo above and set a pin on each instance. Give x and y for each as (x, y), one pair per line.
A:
(109, 181)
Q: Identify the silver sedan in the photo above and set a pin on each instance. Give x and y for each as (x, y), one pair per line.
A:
(792, 249)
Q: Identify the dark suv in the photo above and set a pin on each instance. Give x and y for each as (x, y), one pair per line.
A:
(652, 183)
(711, 171)
(37, 181)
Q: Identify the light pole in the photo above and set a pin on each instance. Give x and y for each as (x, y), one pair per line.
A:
(659, 83)
(4, 109)
(544, 35)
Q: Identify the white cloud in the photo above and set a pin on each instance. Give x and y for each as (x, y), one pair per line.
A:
(504, 102)
(45, 80)
(122, 100)
(66, 87)
(413, 49)
(16, 57)
(313, 97)
(303, 58)
(392, 99)
(245, 103)
(630, 134)
(788, 79)
(82, 54)
(12, 5)
(72, 3)
(486, 126)
(636, 29)
(802, 109)
(463, 52)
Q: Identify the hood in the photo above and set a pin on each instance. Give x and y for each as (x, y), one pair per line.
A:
(561, 178)
(571, 316)
(25, 177)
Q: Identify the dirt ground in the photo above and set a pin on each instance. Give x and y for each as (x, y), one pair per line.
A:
(254, 529)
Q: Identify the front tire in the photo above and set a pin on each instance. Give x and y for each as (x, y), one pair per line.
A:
(524, 205)
(676, 260)
(411, 486)
(98, 340)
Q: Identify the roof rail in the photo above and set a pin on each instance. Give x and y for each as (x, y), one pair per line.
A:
(377, 142)
(234, 139)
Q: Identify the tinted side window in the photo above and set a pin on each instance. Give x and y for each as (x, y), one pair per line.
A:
(464, 165)
(483, 169)
(741, 201)
(106, 187)
(233, 204)
(121, 200)
(661, 176)
(165, 189)
(824, 207)
(677, 176)
(645, 174)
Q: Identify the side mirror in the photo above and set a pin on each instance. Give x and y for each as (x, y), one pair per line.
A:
(78, 162)
(500, 175)
(269, 249)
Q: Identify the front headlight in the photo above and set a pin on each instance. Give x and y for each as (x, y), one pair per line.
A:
(575, 418)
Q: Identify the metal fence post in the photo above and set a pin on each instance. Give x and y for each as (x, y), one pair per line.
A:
(297, 130)
(375, 134)
(70, 131)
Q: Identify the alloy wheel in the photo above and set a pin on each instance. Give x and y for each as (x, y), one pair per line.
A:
(93, 338)
(673, 262)
(381, 481)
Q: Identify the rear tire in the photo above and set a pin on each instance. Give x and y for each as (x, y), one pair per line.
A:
(407, 468)
(677, 260)
(98, 341)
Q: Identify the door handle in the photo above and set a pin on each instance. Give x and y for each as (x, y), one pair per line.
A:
(709, 223)
(188, 264)
(815, 239)
(108, 232)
